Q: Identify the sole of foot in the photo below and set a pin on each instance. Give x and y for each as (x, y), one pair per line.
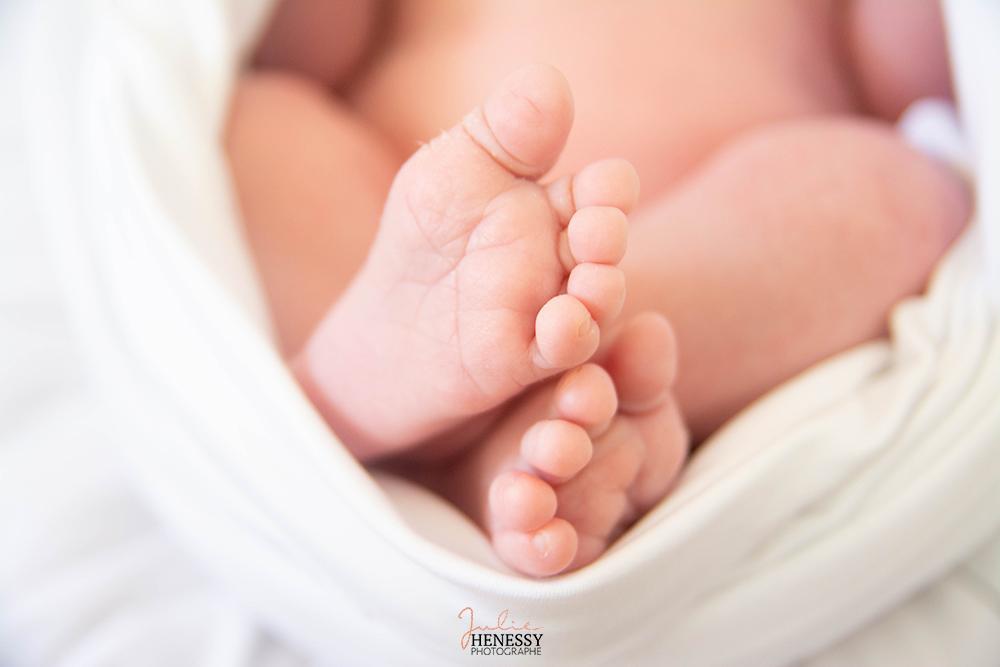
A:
(480, 282)
(572, 466)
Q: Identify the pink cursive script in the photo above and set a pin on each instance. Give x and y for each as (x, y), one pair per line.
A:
(504, 624)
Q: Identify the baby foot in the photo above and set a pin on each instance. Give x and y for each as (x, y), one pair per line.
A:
(581, 459)
(480, 281)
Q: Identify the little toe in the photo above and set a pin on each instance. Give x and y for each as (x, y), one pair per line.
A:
(556, 449)
(586, 396)
(566, 335)
(520, 501)
(643, 362)
(541, 553)
(598, 234)
(600, 287)
(597, 500)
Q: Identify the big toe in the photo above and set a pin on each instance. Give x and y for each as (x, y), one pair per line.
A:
(523, 125)
(516, 134)
(540, 553)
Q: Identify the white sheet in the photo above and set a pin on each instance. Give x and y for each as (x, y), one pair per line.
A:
(174, 499)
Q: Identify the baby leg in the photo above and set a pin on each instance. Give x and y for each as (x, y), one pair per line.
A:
(790, 245)
(311, 178)
(897, 51)
(480, 280)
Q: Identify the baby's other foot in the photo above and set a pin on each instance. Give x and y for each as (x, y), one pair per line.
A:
(480, 282)
(581, 459)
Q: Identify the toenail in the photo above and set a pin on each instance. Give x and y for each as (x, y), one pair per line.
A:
(586, 327)
(542, 544)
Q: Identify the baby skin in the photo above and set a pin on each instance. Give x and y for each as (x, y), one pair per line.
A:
(482, 282)
(479, 339)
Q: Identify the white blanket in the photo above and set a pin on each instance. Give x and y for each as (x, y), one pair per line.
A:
(168, 496)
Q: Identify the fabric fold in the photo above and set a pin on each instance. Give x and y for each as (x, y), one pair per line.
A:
(850, 505)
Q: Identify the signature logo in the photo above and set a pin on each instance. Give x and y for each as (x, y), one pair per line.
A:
(506, 637)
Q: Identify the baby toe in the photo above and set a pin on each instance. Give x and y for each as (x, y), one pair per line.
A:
(592, 509)
(520, 501)
(525, 122)
(556, 448)
(589, 548)
(566, 334)
(613, 182)
(667, 445)
(586, 396)
(642, 360)
(598, 234)
(600, 287)
(540, 553)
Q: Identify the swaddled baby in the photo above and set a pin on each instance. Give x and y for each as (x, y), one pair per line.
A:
(458, 310)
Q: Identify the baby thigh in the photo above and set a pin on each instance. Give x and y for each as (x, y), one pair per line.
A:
(790, 245)
(311, 179)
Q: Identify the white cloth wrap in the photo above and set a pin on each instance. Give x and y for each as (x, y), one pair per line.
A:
(167, 495)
